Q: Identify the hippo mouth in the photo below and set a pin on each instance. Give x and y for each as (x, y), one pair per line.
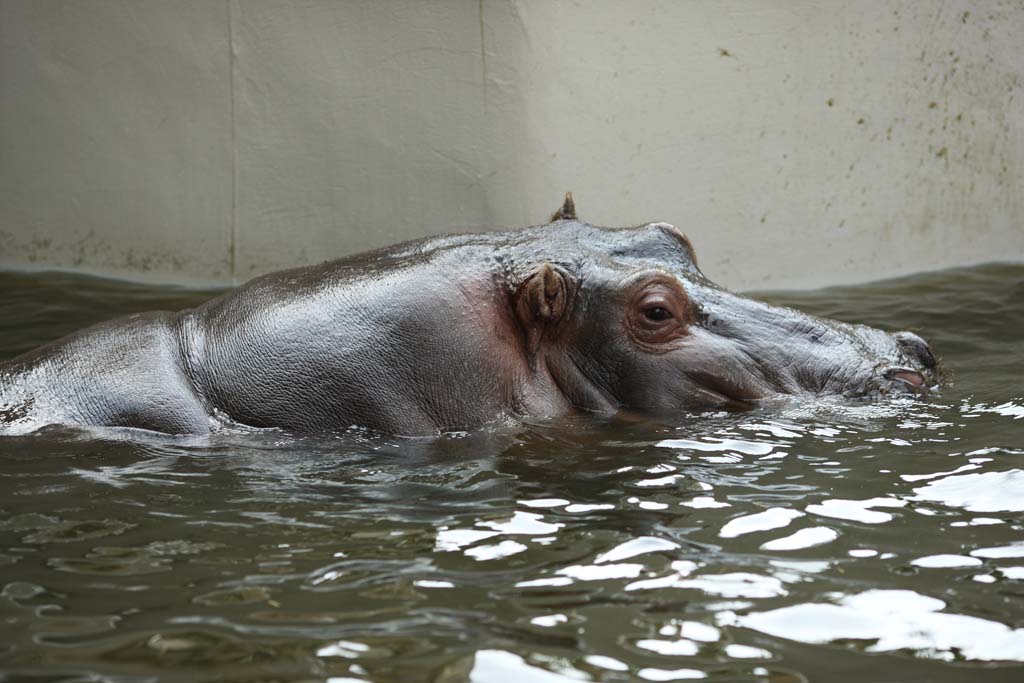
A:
(911, 378)
(908, 381)
(728, 395)
(736, 395)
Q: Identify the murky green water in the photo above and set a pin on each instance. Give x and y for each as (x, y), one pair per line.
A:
(824, 543)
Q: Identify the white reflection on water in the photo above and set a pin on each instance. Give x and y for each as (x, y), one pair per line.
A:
(805, 538)
(681, 568)
(589, 507)
(856, 510)
(776, 429)
(704, 502)
(520, 524)
(979, 521)
(343, 648)
(498, 665)
(890, 620)
(1008, 409)
(923, 477)
(737, 651)
(676, 648)
(547, 581)
(603, 662)
(772, 518)
(723, 445)
(660, 481)
(693, 630)
(608, 571)
(979, 492)
(524, 523)
(652, 674)
(549, 620)
(736, 585)
(1012, 550)
(494, 552)
(945, 561)
(454, 539)
(638, 546)
(545, 503)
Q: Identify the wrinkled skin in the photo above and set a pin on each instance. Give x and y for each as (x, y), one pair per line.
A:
(455, 332)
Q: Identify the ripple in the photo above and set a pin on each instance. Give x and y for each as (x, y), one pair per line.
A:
(112, 561)
(60, 531)
(240, 595)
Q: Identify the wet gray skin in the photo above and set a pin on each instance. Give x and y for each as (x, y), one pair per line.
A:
(455, 332)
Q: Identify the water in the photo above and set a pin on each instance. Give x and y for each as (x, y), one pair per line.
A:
(808, 542)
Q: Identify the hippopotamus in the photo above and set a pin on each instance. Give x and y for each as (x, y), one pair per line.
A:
(455, 332)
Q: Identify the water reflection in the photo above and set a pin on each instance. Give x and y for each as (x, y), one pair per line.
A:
(886, 620)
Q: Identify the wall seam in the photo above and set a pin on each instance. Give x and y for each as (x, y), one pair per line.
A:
(233, 221)
(483, 55)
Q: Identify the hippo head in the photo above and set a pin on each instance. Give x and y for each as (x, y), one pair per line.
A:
(624, 319)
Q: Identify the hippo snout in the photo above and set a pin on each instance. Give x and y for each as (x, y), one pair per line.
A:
(920, 373)
(918, 348)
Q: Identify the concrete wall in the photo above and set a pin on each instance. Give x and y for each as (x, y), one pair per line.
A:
(798, 142)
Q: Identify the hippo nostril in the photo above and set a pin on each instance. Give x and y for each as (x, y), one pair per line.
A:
(911, 377)
(918, 347)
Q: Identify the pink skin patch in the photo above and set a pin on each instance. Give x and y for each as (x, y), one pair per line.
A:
(910, 376)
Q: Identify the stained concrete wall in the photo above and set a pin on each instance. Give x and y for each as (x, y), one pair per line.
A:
(798, 142)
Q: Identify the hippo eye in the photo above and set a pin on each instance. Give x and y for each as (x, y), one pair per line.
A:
(657, 313)
(656, 318)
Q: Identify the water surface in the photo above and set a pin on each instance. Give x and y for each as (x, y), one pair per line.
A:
(818, 542)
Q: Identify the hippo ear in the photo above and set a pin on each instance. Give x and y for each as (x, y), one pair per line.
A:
(567, 212)
(544, 296)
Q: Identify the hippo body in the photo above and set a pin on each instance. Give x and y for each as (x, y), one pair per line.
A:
(454, 332)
